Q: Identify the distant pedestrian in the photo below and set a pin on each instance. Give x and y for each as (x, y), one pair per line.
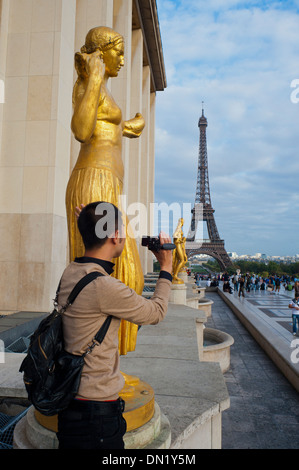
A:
(294, 305)
(236, 282)
(227, 288)
(271, 285)
(241, 287)
(248, 283)
(277, 285)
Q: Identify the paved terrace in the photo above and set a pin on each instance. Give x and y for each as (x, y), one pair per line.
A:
(264, 406)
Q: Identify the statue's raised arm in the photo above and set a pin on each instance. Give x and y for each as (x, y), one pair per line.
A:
(86, 94)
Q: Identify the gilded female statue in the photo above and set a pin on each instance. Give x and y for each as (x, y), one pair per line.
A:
(98, 174)
(179, 254)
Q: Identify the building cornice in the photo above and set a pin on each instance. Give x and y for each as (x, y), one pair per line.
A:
(145, 16)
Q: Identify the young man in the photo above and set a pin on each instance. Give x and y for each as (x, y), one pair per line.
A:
(94, 418)
(294, 305)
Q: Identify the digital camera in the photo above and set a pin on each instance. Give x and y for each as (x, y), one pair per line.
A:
(153, 244)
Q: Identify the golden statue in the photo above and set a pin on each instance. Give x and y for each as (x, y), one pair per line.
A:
(179, 258)
(98, 174)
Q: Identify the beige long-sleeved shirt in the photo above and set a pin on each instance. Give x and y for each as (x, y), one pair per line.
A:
(101, 378)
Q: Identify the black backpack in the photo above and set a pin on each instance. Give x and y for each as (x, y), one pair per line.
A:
(51, 374)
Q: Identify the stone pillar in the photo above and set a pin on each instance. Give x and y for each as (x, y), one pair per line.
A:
(178, 294)
(144, 164)
(133, 165)
(35, 149)
(121, 86)
(4, 22)
(134, 155)
(151, 175)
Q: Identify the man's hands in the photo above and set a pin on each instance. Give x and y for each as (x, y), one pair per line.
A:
(164, 257)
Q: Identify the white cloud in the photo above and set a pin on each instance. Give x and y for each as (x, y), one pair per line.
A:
(240, 58)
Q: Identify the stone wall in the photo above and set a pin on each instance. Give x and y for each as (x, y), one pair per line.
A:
(38, 39)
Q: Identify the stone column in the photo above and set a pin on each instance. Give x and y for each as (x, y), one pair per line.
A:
(151, 175)
(134, 163)
(121, 86)
(35, 150)
(145, 155)
(134, 181)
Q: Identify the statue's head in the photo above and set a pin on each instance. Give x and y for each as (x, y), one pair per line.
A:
(110, 43)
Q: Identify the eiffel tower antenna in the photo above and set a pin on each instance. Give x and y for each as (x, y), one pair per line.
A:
(203, 210)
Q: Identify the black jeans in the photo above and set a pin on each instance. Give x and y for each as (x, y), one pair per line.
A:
(92, 425)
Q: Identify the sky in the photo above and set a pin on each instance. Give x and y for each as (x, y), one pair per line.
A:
(241, 58)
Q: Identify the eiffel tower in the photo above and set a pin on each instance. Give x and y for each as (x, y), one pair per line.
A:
(203, 211)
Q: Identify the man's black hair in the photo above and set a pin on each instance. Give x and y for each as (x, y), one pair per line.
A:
(97, 222)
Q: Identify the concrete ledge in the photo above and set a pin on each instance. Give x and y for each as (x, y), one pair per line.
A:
(211, 289)
(192, 302)
(19, 324)
(277, 348)
(11, 380)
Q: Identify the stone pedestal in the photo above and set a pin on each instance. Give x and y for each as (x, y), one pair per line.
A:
(155, 434)
(205, 305)
(202, 292)
(216, 347)
(178, 294)
(183, 275)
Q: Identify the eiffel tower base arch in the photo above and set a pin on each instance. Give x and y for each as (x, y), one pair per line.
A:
(214, 249)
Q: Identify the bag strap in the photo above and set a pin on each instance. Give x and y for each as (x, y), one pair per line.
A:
(99, 337)
(81, 284)
(57, 293)
(77, 289)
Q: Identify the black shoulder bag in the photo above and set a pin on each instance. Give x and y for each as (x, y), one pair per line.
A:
(51, 374)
